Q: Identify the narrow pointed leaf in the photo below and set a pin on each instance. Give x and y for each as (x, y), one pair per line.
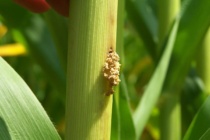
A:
(201, 123)
(206, 135)
(127, 129)
(21, 115)
(154, 88)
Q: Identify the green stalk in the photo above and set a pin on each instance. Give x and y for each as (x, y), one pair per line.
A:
(170, 118)
(167, 11)
(203, 65)
(92, 31)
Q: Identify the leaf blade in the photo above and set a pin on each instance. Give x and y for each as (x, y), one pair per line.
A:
(20, 111)
(200, 123)
(141, 115)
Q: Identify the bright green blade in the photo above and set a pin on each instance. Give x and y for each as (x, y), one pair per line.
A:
(21, 115)
(200, 125)
(155, 85)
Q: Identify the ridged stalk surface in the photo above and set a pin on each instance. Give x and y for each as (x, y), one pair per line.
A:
(92, 31)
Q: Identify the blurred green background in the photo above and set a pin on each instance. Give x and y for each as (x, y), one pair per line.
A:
(35, 45)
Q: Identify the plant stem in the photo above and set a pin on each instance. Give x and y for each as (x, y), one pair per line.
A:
(92, 31)
(170, 118)
(203, 65)
(167, 11)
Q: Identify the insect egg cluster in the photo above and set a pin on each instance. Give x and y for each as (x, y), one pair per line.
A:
(111, 68)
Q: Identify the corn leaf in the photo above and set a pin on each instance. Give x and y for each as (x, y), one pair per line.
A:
(127, 129)
(31, 30)
(58, 26)
(199, 128)
(21, 115)
(154, 88)
(194, 23)
(206, 135)
(190, 33)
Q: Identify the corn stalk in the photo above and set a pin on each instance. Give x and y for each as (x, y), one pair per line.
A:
(92, 32)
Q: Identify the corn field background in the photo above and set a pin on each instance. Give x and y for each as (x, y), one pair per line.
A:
(164, 91)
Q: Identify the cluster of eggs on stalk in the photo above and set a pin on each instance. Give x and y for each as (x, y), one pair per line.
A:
(111, 70)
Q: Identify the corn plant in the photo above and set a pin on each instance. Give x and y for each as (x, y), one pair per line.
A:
(100, 70)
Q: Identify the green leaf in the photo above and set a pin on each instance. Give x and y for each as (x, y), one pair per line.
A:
(31, 30)
(127, 129)
(115, 130)
(190, 33)
(58, 26)
(200, 125)
(122, 121)
(206, 135)
(21, 115)
(42, 48)
(194, 24)
(155, 85)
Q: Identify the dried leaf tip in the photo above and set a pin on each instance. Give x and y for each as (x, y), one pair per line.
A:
(111, 70)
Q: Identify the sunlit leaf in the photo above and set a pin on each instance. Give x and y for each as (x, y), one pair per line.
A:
(155, 85)
(21, 115)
